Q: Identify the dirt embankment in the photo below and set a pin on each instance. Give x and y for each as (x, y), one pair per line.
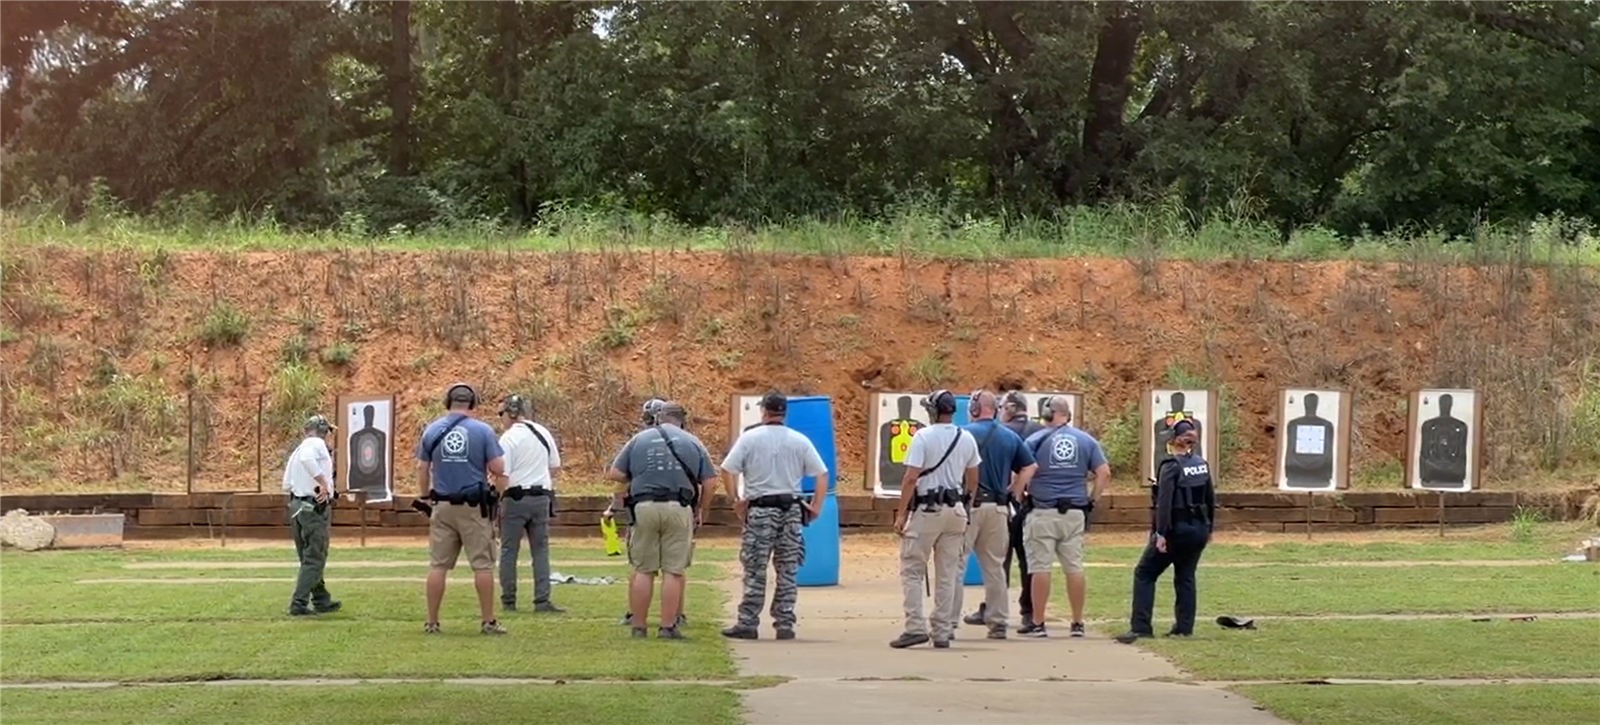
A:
(102, 350)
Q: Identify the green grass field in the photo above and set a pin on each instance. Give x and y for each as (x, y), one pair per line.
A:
(199, 621)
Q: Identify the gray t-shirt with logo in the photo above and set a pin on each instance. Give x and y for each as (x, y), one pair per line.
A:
(774, 459)
(651, 467)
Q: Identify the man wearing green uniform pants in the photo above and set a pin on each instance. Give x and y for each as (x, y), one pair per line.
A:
(308, 479)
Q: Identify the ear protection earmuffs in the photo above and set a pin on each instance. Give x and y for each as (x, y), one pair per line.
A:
(472, 403)
(931, 403)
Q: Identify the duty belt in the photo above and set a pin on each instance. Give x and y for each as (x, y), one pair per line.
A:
(481, 496)
(517, 493)
(1064, 506)
(776, 501)
(987, 496)
(659, 498)
(944, 497)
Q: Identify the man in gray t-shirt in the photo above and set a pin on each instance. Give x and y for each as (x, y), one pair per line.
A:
(664, 469)
(773, 458)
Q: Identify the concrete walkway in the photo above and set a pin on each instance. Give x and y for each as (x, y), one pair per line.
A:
(844, 672)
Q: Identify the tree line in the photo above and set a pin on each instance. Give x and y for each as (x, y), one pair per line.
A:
(1356, 116)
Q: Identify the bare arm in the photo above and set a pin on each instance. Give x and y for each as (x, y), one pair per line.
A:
(497, 467)
(1019, 482)
(970, 478)
(1102, 478)
(424, 468)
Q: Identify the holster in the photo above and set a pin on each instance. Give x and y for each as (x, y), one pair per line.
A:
(946, 498)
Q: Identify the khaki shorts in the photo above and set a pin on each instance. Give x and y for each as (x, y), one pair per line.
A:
(454, 527)
(1049, 536)
(661, 538)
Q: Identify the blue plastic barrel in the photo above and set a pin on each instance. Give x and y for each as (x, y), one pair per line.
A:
(812, 416)
(974, 577)
(961, 417)
(821, 567)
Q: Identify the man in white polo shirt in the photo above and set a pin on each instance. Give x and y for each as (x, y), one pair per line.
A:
(528, 501)
(308, 479)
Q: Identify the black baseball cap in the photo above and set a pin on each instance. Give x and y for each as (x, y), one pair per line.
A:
(774, 402)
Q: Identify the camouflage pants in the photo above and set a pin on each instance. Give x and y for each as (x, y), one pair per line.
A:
(771, 534)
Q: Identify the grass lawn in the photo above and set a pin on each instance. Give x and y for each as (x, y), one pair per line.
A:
(429, 704)
(1419, 705)
(153, 624)
(1388, 650)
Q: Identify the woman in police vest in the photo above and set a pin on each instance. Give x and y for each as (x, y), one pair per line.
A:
(1185, 509)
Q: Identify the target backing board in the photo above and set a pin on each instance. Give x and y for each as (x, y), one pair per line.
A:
(892, 420)
(1445, 439)
(1313, 440)
(366, 445)
(1160, 409)
(744, 413)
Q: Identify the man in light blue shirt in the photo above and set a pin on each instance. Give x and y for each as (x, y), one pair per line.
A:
(455, 457)
(1061, 497)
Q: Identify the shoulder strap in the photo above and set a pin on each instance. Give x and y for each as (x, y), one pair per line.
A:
(448, 424)
(953, 441)
(540, 436)
(694, 478)
(1040, 445)
(993, 427)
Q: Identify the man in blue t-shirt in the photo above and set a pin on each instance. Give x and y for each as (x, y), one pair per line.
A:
(988, 523)
(1061, 499)
(455, 457)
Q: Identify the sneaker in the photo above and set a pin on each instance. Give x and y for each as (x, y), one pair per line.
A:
(941, 644)
(492, 627)
(508, 606)
(668, 633)
(328, 607)
(1178, 634)
(741, 632)
(1033, 630)
(1077, 629)
(976, 618)
(640, 633)
(1131, 637)
(430, 628)
(909, 640)
(300, 610)
(785, 634)
(627, 619)
(683, 620)
(997, 632)
(547, 608)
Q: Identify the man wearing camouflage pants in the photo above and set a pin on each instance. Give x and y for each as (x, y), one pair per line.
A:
(308, 479)
(773, 458)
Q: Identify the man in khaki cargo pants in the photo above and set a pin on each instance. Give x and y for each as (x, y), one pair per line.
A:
(941, 473)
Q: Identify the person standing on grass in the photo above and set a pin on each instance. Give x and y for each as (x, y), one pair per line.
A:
(532, 464)
(664, 469)
(623, 515)
(1060, 498)
(455, 457)
(1181, 525)
(1005, 459)
(941, 474)
(774, 458)
(308, 479)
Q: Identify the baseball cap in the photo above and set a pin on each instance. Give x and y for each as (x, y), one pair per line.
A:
(775, 402)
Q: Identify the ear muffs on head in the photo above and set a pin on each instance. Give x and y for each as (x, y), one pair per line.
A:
(472, 400)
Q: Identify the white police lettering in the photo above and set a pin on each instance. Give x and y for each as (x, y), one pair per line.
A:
(455, 444)
(1064, 449)
(1199, 470)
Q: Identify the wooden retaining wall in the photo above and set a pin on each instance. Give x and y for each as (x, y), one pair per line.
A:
(254, 515)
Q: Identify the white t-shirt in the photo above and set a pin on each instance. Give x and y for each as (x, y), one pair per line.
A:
(528, 464)
(929, 445)
(773, 459)
(309, 458)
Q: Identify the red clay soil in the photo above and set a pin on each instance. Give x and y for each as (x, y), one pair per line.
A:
(607, 330)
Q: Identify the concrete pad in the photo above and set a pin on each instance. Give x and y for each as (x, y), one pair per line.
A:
(845, 672)
(1008, 703)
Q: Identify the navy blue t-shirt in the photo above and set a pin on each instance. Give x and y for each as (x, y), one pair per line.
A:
(461, 459)
(1003, 454)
